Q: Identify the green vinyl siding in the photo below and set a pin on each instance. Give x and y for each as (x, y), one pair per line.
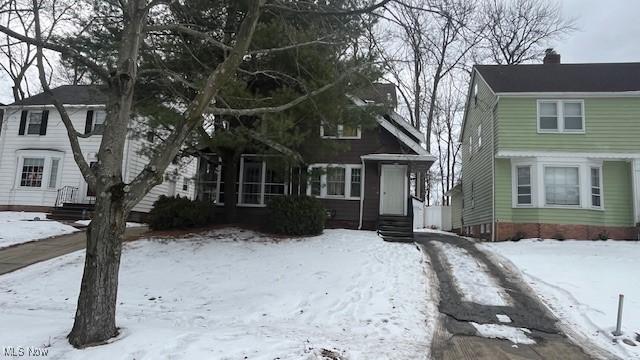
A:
(476, 165)
(611, 125)
(617, 192)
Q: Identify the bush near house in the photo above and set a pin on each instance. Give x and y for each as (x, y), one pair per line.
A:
(296, 215)
(175, 212)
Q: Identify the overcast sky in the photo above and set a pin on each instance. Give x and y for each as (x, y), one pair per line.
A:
(608, 31)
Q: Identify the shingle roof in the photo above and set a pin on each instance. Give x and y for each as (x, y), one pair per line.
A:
(605, 77)
(380, 93)
(68, 94)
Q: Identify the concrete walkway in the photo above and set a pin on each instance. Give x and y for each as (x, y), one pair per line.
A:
(19, 256)
(456, 338)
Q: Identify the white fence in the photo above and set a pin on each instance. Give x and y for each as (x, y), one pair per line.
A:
(438, 216)
(418, 214)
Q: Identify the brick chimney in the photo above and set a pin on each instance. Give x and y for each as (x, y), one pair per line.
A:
(551, 57)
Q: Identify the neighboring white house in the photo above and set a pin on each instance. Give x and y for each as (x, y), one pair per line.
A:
(36, 161)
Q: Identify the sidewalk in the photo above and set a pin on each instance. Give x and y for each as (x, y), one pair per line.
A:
(456, 338)
(19, 256)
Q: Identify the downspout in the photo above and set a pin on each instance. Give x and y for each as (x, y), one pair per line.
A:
(362, 193)
(493, 170)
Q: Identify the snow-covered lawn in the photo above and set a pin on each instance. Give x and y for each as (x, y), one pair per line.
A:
(433, 231)
(15, 227)
(472, 278)
(580, 282)
(233, 294)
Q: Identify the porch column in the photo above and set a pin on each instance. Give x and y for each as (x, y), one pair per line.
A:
(636, 189)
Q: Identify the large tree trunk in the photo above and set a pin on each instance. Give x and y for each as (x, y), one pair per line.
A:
(230, 160)
(95, 320)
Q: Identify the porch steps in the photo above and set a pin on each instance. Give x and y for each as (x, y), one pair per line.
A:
(71, 211)
(395, 228)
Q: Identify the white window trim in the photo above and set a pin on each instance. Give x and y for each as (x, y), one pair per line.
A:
(48, 156)
(560, 114)
(239, 202)
(339, 130)
(479, 134)
(538, 198)
(347, 181)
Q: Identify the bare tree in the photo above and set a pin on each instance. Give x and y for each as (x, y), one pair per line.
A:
(119, 69)
(519, 31)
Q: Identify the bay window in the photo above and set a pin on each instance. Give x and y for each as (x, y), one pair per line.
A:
(335, 181)
(523, 185)
(38, 169)
(32, 172)
(596, 197)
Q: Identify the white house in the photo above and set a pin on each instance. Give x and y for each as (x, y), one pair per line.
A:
(37, 169)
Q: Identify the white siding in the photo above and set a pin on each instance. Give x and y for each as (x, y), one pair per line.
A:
(56, 142)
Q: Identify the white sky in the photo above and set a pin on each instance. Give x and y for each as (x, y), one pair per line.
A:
(608, 31)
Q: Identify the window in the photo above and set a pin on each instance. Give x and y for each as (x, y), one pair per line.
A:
(335, 181)
(479, 136)
(523, 185)
(561, 116)
(470, 145)
(562, 186)
(596, 196)
(274, 183)
(150, 136)
(99, 116)
(340, 131)
(53, 176)
(355, 182)
(251, 181)
(32, 171)
(185, 184)
(35, 121)
(261, 179)
(473, 200)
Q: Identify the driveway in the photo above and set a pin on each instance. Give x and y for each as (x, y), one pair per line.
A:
(456, 336)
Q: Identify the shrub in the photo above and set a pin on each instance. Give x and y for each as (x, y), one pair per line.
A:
(518, 236)
(296, 215)
(603, 236)
(179, 213)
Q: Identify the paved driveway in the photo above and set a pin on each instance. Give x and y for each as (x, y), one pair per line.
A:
(457, 338)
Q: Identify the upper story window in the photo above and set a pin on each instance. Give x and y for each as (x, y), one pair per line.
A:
(33, 122)
(94, 122)
(340, 131)
(560, 116)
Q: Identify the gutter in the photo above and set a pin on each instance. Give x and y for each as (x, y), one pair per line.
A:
(493, 170)
(362, 193)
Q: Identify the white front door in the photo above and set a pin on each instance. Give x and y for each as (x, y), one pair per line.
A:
(393, 190)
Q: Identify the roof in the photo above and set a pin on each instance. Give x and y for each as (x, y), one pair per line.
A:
(69, 95)
(379, 93)
(602, 77)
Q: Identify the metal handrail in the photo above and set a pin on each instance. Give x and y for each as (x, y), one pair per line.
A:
(66, 194)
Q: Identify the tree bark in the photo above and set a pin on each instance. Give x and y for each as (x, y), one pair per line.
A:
(230, 161)
(95, 320)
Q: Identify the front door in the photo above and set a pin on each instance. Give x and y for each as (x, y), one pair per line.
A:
(393, 185)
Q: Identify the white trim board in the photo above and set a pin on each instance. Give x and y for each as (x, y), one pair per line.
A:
(541, 94)
(398, 157)
(402, 122)
(507, 154)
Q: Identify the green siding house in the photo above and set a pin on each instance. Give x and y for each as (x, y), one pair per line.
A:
(552, 151)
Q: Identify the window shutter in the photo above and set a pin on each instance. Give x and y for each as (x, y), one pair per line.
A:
(88, 123)
(23, 122)
(43, 124)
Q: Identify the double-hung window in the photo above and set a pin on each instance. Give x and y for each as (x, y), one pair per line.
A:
(261, 180)
(562, 185)
(32, 172)
(560, 116)
(340, 131)
(99, 116)
(35, 122)
(335, 181)
(596, 195)
(523, 185)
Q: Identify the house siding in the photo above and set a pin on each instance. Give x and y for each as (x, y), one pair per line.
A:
(617, 195)
(611, 125)
(11, 195)
(476, 165)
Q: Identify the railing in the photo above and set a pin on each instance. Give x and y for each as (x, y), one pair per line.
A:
(66, 194)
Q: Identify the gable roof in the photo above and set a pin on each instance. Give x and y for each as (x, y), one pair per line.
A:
(595, 77)
(68, 95)
(379, 93)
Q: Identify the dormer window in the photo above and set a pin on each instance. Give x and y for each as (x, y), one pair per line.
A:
(565, 116)
(340, 131)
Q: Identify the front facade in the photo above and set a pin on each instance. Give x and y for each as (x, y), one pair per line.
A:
(36, 162)
(370, 178)
(552, 151)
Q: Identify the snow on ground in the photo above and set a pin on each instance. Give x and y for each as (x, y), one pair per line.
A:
(513, 334)
(472, 278)
(15, 227)
(580, 282)
(434, 231)
(129, 224)
(233, 294)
